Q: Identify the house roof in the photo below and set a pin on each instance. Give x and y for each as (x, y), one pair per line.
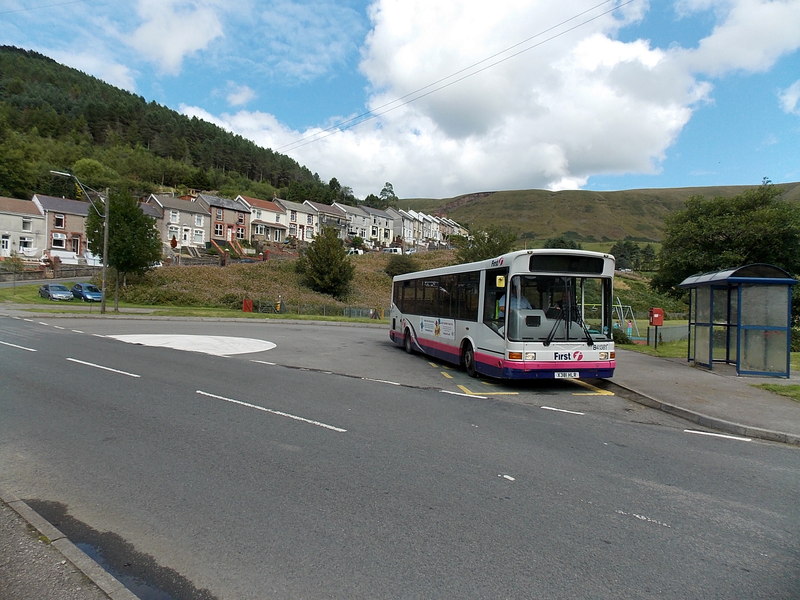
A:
(150, 210)
(328, 209)
(62, 205)
(181, 204)
(222, 202)
(289, 205)
(375, 212)
(14, 205)
(262, 204)
(352, 210)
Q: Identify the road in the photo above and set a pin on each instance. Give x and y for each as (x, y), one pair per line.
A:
(333, 465)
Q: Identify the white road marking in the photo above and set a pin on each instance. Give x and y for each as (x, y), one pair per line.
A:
(96, 366)
(509, 477)
(264, 362)
(571, 412)
(380, 381)
(57, 327)
(20, 347)
(274, 412)
(76, 331)
(216, 345)
(466, 395)
(643, 518)
(719, 435)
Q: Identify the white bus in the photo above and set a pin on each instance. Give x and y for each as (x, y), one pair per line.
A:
(558, 323)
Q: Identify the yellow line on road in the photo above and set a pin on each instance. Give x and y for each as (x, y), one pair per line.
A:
(446, 374)
(468, 391)
(595, 391)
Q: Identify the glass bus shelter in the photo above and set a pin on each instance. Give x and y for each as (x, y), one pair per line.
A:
(741, 316)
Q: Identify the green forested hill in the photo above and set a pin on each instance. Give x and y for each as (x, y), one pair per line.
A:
(52, 115)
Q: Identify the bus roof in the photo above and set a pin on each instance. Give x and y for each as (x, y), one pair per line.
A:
(501, 261)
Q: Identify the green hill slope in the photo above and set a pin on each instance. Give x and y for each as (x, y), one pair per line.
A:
(585, 216)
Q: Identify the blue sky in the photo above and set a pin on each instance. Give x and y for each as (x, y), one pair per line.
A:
(446, 98)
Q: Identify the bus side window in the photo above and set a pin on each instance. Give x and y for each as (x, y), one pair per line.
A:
(491, 310)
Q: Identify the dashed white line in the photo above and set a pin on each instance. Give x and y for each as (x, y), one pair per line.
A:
(274, 412)
(380, 381)
(719, 435)
(264, 362)
(571, 412)
(643, 518)
(57, 327)
(96, 366)
(19, 347)
(509, 477)
(465, 395)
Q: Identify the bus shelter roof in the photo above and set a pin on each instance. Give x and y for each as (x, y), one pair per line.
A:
(753, 273)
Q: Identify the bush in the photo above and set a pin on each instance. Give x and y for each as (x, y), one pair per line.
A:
(620, 337)
(401, 263)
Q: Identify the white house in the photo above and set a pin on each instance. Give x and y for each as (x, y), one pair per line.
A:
(22, 228)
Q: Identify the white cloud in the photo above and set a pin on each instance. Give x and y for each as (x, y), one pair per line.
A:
(790, 98)
(304, 40)
(173, 29)
(750, 35)
(99, 65)
(569, 105)
(238, 95)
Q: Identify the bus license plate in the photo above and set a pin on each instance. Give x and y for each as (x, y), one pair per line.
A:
(567, 374)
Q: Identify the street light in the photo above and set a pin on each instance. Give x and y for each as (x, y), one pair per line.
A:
(104, 216)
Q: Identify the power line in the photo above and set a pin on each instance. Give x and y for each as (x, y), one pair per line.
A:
(416, 94)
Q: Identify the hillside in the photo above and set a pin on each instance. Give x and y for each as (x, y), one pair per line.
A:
(584, 216)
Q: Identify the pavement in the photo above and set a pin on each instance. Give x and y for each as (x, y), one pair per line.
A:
(37, 562)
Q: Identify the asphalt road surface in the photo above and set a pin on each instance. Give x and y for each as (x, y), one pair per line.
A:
(322, 462)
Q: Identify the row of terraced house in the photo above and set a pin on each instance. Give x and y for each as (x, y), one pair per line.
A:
(48, 226)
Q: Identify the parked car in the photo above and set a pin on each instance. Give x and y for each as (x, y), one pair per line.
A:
(55, 291)
(354, 251)
(87, 292)
(393, 250)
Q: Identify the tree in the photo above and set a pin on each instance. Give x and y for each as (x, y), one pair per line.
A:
(133, 240)
(563, 243)
(484, 243)
(324, 265)
(388, 197)
(400, 264)
(709, 235)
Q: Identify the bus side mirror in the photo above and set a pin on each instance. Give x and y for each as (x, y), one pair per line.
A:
(500, 281)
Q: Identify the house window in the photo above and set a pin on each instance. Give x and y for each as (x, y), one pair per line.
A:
(59, 240)
(277, 235)
(277, 218)
(219, 214)
(309, 219)
(25, 242)
(199, 236)
(173, 231)
(293, 216)
(240, 218)
(174, 216)
(198, 220)
(259, 230)
(59, 221)
(309, 234)
(293, 230)
(240, 233)
(27, 224)
(218, 230)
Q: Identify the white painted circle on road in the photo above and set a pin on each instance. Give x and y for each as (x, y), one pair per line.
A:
(218, 345)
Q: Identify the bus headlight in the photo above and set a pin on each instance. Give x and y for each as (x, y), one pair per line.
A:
(606, 355)
(522, 356)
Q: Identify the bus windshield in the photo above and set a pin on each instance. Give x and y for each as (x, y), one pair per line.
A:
(550, 308)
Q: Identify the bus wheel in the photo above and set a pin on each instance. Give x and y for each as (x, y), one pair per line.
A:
(407, 344)
(469, 360)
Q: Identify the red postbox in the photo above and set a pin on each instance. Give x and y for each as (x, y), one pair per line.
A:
(656, 317)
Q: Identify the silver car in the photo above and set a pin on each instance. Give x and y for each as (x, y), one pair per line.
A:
(55, 291)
